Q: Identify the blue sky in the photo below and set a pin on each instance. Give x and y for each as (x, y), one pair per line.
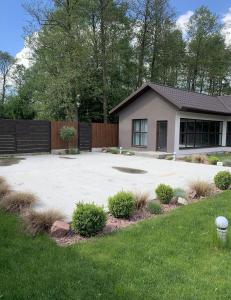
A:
(218, 6)
(13, 18)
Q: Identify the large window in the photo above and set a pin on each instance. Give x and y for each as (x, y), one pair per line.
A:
(139, 132)
(200, 133)
(228, 135)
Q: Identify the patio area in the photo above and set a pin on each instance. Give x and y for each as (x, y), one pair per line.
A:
(62, 181)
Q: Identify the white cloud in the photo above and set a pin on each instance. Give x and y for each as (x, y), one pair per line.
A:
(24, 57)
(183, 20)
(226, 31)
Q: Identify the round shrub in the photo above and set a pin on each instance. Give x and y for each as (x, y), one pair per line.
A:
(223, 180)
(213, 160)
(154, 208)
(88, 219)
(164, 193)
(122, 204)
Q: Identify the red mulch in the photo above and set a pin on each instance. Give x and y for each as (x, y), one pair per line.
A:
(113, 224)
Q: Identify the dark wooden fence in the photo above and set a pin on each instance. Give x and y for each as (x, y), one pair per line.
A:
(28, 136)
(24, 136)
(56, 141)
(104, 135)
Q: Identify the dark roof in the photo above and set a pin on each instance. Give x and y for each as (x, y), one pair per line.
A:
(183, 100)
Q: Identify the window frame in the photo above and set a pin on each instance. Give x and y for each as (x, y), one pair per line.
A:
(139, 133)
(228, 134)
(202, 133)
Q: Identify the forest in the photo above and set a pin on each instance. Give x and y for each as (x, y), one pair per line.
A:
(90, 55)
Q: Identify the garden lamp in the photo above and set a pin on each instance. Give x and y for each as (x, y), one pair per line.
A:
(222, 228)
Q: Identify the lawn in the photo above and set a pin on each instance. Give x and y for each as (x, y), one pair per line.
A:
(169, 257)
(223, 156)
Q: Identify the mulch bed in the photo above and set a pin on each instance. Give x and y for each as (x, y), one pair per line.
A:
(114, 224)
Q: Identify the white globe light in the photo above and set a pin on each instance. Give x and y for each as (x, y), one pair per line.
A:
(222, 222)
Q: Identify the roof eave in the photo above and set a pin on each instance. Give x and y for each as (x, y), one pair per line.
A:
(198, 110)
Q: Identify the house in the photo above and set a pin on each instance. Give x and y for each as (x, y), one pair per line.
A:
(166, 119)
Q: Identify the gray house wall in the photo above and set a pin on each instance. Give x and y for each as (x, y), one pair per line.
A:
(152, 107)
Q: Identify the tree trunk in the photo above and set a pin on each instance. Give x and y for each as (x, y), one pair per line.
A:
(3, 89)
(142, 45)
(103, 5)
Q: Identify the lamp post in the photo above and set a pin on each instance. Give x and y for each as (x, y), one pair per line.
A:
(77, 107)
(222, 228)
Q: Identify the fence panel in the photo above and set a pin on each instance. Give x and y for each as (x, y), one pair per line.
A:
(33, 136)
(56, 141)
(24, 136)
(104, 135)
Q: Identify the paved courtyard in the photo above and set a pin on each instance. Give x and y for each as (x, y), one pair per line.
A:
(90, 177)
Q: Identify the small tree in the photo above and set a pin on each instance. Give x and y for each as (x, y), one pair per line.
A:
(67, 134)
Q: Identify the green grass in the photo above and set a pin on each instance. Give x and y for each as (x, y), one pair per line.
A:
(223, 156)
(169, 257)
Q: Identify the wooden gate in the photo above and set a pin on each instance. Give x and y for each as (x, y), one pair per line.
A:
(24, 136)
(84, 137)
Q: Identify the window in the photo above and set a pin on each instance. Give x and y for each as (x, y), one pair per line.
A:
(139, 132)
(200, 133)
(228, 134)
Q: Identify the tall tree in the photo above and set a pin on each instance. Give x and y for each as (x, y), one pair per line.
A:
(202, 25)
(6, 63)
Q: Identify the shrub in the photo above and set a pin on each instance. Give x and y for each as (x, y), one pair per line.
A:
(178, 192)
(88, 219)
(188, 158)
(223, 180)
(17, 201)
(141, 200)
(213, 160)
(72, 151)
(199, 158)
(201, 188)
(122, 204)
(4, 189)
(169, 157)
(164, 193)
(67, 134)
(227, 163)
(154, 208)
(40, 222)
(113, 151)
(2, 180)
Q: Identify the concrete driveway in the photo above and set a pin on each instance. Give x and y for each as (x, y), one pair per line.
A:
(90, 177)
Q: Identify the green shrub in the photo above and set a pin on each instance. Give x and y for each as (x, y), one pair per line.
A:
(213, 160)
(88, 219)
(223, 180)
(169, 157)
(72, 151)
(188, 158)
(227, 163)
(113, 151)
(154, 208)
(67, 134)
(178, 192)
(122, 204)
(164, 193)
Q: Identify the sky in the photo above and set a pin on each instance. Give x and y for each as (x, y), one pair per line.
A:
(13, 18)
